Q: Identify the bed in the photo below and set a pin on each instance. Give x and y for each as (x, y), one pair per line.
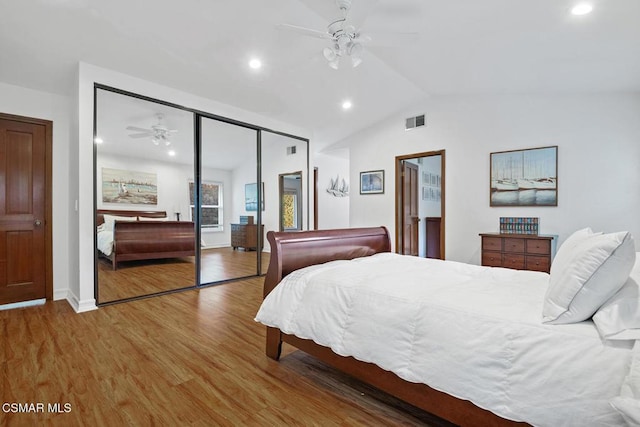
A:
(124, 235)
(486, 356)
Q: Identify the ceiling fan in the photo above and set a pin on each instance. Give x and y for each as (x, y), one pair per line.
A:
(159, 133)
(345, 39)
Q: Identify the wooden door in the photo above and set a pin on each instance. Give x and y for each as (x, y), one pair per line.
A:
(25, 245)
(410, 206)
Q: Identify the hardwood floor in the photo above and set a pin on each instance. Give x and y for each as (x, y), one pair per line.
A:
(136, 278)
(191, 358)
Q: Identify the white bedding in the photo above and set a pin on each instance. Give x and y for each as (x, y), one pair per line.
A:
(473, 332)
(105, 242)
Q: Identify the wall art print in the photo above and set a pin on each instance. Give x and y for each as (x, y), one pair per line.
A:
(251, 197)
(524, 177)
(130, 187)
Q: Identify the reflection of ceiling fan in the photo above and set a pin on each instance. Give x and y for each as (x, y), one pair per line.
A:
(345, 39)
(158, 132)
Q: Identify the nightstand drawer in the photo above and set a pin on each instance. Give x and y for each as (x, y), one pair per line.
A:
(542, 247)
(492, 243)
(492, 259)
(538, 263)
(513, 261)
(513, 245)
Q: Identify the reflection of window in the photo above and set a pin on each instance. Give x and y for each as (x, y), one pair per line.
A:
(211, 201)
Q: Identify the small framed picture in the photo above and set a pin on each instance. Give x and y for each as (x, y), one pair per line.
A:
(372, 182)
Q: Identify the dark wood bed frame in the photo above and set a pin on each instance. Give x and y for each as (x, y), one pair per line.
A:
(294, 250)
(140, 240)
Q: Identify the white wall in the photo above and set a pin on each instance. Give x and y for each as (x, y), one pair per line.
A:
(598, 138)
(41, 105)
(333, 212)
(88, 75)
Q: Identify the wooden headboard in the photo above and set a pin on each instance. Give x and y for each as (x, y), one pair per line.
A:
(100, 213)
(293, 250)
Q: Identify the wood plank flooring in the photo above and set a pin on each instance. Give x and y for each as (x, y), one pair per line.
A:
(136, 278)
(193, 358)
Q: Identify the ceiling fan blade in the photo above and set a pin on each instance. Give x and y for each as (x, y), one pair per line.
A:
(137, 129)
(387, 38)
(172, 130)
(305, 31)
(140, 135)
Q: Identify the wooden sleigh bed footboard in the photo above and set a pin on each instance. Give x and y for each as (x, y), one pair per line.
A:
(291, 251)
(144, 239)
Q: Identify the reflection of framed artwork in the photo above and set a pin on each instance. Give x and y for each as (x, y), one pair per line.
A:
(251, 197)
(372, 182)
(121, 186)
(524, 177)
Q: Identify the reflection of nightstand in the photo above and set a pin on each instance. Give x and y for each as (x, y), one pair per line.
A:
(518, 251)
(245, 236)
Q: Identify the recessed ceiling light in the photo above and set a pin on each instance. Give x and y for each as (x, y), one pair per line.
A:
(255, 64)
(581, 9)
(171, 153)
(346, 105)
(98, 140)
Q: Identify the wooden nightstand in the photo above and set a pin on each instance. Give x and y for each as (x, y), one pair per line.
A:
(518, 251)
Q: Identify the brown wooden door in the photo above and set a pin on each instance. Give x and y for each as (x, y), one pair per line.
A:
(410, 204)
(23, 209)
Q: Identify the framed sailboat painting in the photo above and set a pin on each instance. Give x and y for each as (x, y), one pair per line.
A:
(526, 177)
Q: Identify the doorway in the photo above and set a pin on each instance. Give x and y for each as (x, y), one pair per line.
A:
(25, 209)
(290, 194)
(420, 204)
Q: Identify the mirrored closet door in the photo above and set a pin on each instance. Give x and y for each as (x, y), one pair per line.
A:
(144, 167)
(229, 229)
(185, 198)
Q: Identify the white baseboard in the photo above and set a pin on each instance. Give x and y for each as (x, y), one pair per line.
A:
(81, 306)
(22, 304)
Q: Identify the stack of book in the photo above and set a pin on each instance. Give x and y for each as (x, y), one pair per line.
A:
(509, 225)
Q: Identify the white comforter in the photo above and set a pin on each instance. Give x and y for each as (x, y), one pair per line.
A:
(473, 332)
(105, 242)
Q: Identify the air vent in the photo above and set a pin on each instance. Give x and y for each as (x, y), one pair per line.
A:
(414, 122)
(291, 150)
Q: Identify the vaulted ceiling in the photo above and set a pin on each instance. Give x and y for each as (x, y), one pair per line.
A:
(203, 47)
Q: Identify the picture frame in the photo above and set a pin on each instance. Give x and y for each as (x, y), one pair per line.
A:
(251, 197)
(129, 187)
(372, 182)
(527, 177)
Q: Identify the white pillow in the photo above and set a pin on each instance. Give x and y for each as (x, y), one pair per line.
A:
(619, 318)
(595, 269)
(565, 253)
(110, 219)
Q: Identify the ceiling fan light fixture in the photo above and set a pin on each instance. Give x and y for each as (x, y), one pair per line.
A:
(155, 141)
(335, 64)
(355, 51)
(329, 54)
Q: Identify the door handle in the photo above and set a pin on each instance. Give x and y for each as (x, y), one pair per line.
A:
(37, 223)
